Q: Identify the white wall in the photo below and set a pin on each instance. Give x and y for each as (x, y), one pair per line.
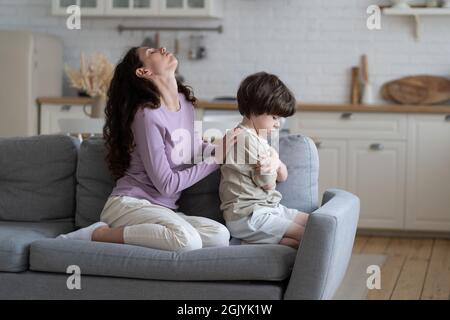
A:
(311, 45)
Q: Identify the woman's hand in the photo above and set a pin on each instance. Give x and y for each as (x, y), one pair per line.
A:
(224, 144)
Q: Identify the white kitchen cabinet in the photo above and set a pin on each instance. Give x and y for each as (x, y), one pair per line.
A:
(332, 155)
(51, 114)
(88, 7)
(352, 125)
(428, 180)
(215, 123)
(131, 7)
(397, 163)
(376, 174)
(143, 8)
(350, 161)
(191, 8)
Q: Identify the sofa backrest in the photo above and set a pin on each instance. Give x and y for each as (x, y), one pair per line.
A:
(37, 178)
(300, 191)
(95, 182)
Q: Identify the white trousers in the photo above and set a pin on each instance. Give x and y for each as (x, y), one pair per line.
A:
(158, 227)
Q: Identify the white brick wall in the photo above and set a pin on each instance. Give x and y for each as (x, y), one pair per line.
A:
(311, 45)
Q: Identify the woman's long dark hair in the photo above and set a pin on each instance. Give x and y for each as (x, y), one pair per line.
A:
(127, 92)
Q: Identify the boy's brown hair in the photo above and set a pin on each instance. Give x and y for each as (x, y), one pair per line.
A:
(264, 93)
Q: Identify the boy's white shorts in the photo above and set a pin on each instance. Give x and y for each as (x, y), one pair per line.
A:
(266, 225)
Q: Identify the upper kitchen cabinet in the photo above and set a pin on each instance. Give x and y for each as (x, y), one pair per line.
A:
(131, 7)
(88, 7)
(191, 8)
(143, 8)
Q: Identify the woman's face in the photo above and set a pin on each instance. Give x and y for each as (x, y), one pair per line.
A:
(156, 62)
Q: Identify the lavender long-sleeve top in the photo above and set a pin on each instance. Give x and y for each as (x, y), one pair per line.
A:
(159, 168)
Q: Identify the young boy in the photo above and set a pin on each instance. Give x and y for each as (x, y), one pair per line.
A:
(250, 204)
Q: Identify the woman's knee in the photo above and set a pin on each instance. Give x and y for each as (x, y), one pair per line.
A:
(187, 240)
(219, 236)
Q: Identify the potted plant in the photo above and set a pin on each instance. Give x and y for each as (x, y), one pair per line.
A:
(93, 78)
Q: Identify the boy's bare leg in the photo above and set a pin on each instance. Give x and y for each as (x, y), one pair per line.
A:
(290, 243)
(301, 218)
(295, 231)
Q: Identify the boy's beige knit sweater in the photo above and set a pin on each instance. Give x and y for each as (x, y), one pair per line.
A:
(241, 187)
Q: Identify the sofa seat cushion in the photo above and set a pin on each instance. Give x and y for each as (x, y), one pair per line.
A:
(236, 262)
(16, 237)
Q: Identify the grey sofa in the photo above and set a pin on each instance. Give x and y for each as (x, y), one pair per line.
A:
(51, 185)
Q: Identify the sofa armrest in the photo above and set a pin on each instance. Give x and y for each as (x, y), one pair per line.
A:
(326, 248)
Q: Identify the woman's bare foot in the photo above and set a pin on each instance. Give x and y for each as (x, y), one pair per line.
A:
(107, 234)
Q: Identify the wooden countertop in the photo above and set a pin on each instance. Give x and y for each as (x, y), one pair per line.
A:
(64, 100)
(302, 106)
(388, 108)
(342, 107)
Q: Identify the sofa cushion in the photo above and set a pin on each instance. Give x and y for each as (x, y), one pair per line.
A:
(241, 262)
(202, 199)
(95, 182)
(16, 237)
(37, 178)
(300, 190)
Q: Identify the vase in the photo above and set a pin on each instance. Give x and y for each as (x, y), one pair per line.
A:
(367, 95)
(97, 108)
(400, 4)
(432, 3)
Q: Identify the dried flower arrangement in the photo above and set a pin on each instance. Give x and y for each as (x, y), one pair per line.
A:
(94, 75)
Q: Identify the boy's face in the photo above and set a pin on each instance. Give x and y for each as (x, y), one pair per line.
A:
(266, 121)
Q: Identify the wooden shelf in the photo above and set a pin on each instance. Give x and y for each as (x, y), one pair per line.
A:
(416, 12)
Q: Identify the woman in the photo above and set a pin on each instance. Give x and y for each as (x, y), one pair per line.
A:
(145, 106)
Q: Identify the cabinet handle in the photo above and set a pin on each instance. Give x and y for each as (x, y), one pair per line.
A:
(376, 146)
(346, 115)
(66, 107)
(447, 117)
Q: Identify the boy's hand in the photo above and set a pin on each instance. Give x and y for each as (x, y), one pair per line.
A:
(268, 164)
(269, 186)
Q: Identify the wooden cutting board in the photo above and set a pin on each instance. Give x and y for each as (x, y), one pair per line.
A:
(423, 89)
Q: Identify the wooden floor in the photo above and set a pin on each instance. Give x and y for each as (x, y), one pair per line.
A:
(415, 268)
